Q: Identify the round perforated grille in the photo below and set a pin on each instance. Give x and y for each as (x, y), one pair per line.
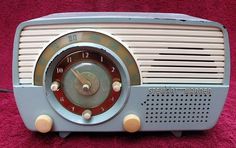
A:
(176, 108)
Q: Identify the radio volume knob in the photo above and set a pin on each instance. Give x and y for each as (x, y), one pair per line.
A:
(43, 123)
(131, 123)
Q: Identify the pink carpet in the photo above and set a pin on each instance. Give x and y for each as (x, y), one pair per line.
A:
(12, 130)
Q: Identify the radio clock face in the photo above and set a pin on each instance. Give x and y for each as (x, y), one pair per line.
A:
(86, 82)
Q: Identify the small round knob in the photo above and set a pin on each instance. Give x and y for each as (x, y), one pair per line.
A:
(87, 114)
(43, 123)
(131, 123)
(55, 86)
(116, 86)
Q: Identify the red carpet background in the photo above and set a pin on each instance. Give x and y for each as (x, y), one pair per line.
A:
(14, 134)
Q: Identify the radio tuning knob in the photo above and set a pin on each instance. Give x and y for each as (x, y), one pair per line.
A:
(43, 123)
(131, 123)
(116, 86)
(55, 86)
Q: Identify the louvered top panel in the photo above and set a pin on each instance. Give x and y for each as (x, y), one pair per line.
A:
(164, 53)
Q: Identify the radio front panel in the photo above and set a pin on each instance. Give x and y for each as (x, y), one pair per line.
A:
(120, 72)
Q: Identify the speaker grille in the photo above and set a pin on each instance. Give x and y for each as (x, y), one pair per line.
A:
(164, 53)
(177, 108)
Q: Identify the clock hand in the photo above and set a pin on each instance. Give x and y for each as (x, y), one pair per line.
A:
(86, 84)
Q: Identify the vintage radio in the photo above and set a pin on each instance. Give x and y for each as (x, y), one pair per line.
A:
(110, 72)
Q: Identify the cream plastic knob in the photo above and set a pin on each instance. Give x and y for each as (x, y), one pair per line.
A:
(131, 123)
(43, 123)
(55, 86)
(116, 86)
(87, 114)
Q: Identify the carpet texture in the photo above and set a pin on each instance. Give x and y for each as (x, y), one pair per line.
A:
(12, 130)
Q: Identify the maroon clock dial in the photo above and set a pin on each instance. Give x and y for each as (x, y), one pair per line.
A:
(86, 82)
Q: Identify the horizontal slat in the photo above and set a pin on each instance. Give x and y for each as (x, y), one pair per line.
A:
(181, 69)
(174, 45)
(26, 63)
(36, 39)
(32, 45)
(132, 31)
(25, 75)
(180, 63)
(25, 69)
(180, 57)
(30, 51)
(157, 38)
(165, 32)
(182, 75)
(172, 80)
(26, 81)
(145, 45)
(120, 25)
(28, 57)
(176, 51)
(43, 32)
(137, 38)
